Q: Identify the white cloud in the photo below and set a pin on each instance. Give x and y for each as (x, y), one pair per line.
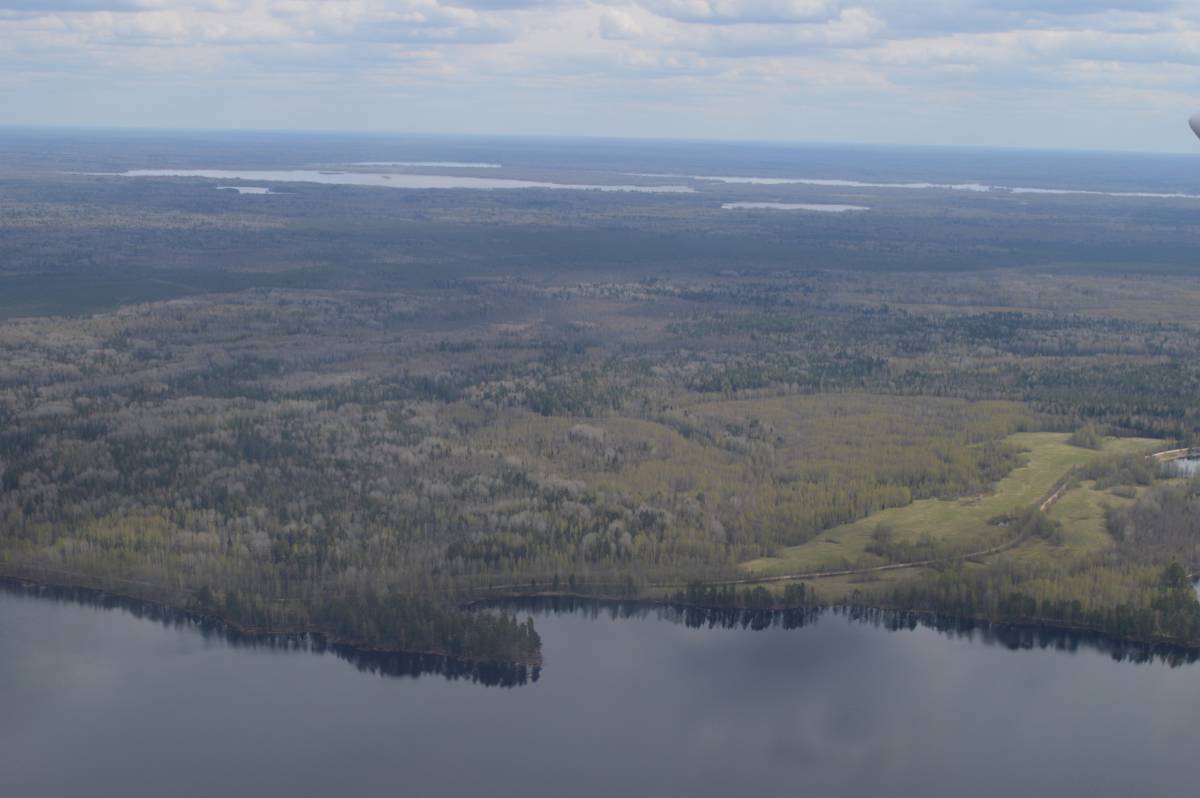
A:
(618, 24)
(725, 12)
(828, 56)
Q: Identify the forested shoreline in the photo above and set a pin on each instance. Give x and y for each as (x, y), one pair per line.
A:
(211, 450)
(482, 646)
(696, 606)
(361, 413)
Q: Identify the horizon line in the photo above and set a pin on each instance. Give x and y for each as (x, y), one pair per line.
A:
(132, 129)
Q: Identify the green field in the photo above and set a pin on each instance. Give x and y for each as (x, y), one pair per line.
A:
(964, 522)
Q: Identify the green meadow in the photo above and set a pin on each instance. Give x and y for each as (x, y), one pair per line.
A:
(965, 525)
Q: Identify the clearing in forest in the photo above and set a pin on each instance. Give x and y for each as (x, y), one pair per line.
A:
(962, 524)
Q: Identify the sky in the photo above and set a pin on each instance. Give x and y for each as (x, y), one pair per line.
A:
(1107, 74)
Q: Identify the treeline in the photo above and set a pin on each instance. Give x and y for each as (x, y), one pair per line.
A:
(1138, 377)
(424, 624)
(1122, 471)
(1163, 525)
(1148, 608)
(793, 595)
(394, 622)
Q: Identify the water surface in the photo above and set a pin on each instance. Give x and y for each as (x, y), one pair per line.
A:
(246, 189)
(794, 206)
(431, 164)
(98, 702)
(973, 187)
(393, 180)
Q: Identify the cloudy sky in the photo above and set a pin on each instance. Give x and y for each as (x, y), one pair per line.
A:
(1121, 74)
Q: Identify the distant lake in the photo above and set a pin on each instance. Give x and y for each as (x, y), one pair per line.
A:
(246, 189)
(793, 206)
(392, 180)
(972, 187)
(431, 164)
(98, 702)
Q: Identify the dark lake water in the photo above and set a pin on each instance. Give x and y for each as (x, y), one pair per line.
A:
(97, 702)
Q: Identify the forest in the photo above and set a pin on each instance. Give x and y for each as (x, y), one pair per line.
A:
(347, 415)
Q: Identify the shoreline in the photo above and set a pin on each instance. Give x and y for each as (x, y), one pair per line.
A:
(397, 661)
(383, 659)
(931, 618)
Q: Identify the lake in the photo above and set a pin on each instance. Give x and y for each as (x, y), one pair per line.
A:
(407, 180)
(99, 702)
(395, 180)
(793, 206)
(246, 189)
(976, 188)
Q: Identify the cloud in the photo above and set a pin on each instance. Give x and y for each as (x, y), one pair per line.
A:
(741, 12)
(506, 5)
(618, 24)
(852, 27)
(1076, 7)
(50, 6)
(595, 57)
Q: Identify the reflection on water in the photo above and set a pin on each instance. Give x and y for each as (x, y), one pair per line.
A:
(413, 665)
(633, 701)
(1013, 638)
(382, 663)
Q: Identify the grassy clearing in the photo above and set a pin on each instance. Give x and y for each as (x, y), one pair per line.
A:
(965, 521)
(1081, 513)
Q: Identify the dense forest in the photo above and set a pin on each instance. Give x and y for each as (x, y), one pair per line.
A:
(346, 413)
